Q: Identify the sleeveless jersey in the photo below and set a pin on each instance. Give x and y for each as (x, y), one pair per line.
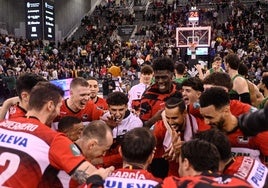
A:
(31, 154)
(232, 93)
(211, 70)
(180, 80)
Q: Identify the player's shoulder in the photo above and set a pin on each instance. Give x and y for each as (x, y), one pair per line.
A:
(205, 181)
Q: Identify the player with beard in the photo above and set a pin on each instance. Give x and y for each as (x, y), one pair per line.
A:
(244, 167)
(153, 99)
(94, 141)
(199, 163)
(222, 80)
(30, 150)
(174, 117)
(215, 108)
(78, 104)
(134, 172)
(94, 90)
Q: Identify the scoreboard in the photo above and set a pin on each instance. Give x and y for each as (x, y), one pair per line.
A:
(193, 16)
(40, 19)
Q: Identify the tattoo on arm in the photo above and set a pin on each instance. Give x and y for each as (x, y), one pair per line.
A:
(80, 176)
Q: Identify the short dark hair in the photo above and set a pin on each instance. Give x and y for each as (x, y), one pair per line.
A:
(219, 139)
(219, 79)
(96, 129)
(79, 81)
(92, 78)
(67, 122)
(43, 92)
(215, 96)
(174, 102)
(147, 69)
(265, 81)
(202, 155)
(195, 83)
(26, 82)
(233, 61)
(163, 63)
(180, 68)
(243, 69)
(137, 145)
(117, 98)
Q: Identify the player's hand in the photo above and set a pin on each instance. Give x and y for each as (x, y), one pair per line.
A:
(173, 152)
(176, 142)
(12, 101)
(111, 121)
(169, 154)
(198, 67)
(104, 172)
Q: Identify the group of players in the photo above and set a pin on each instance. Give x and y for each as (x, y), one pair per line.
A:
(166, 135)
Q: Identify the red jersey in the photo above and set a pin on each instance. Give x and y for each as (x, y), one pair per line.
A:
(152, 100)
(101, 103)
(255, 146)
(207, 180)
(163, 138)
(89, 113)
(16, 111)
(248, 169)
(131, 178)
(32, 154)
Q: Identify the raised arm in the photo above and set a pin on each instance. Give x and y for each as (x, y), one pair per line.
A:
(6, 105)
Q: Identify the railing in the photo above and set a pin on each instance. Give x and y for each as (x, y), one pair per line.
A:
(76, 26)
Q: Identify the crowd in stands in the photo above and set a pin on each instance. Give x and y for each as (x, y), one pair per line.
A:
(100, 48)
(173, 129)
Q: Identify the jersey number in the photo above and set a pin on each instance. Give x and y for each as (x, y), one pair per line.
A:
(13, 166)
(193, 14)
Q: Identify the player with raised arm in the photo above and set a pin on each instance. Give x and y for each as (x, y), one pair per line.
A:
(30, 150)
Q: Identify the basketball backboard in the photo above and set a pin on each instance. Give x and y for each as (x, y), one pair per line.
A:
(187, 36)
